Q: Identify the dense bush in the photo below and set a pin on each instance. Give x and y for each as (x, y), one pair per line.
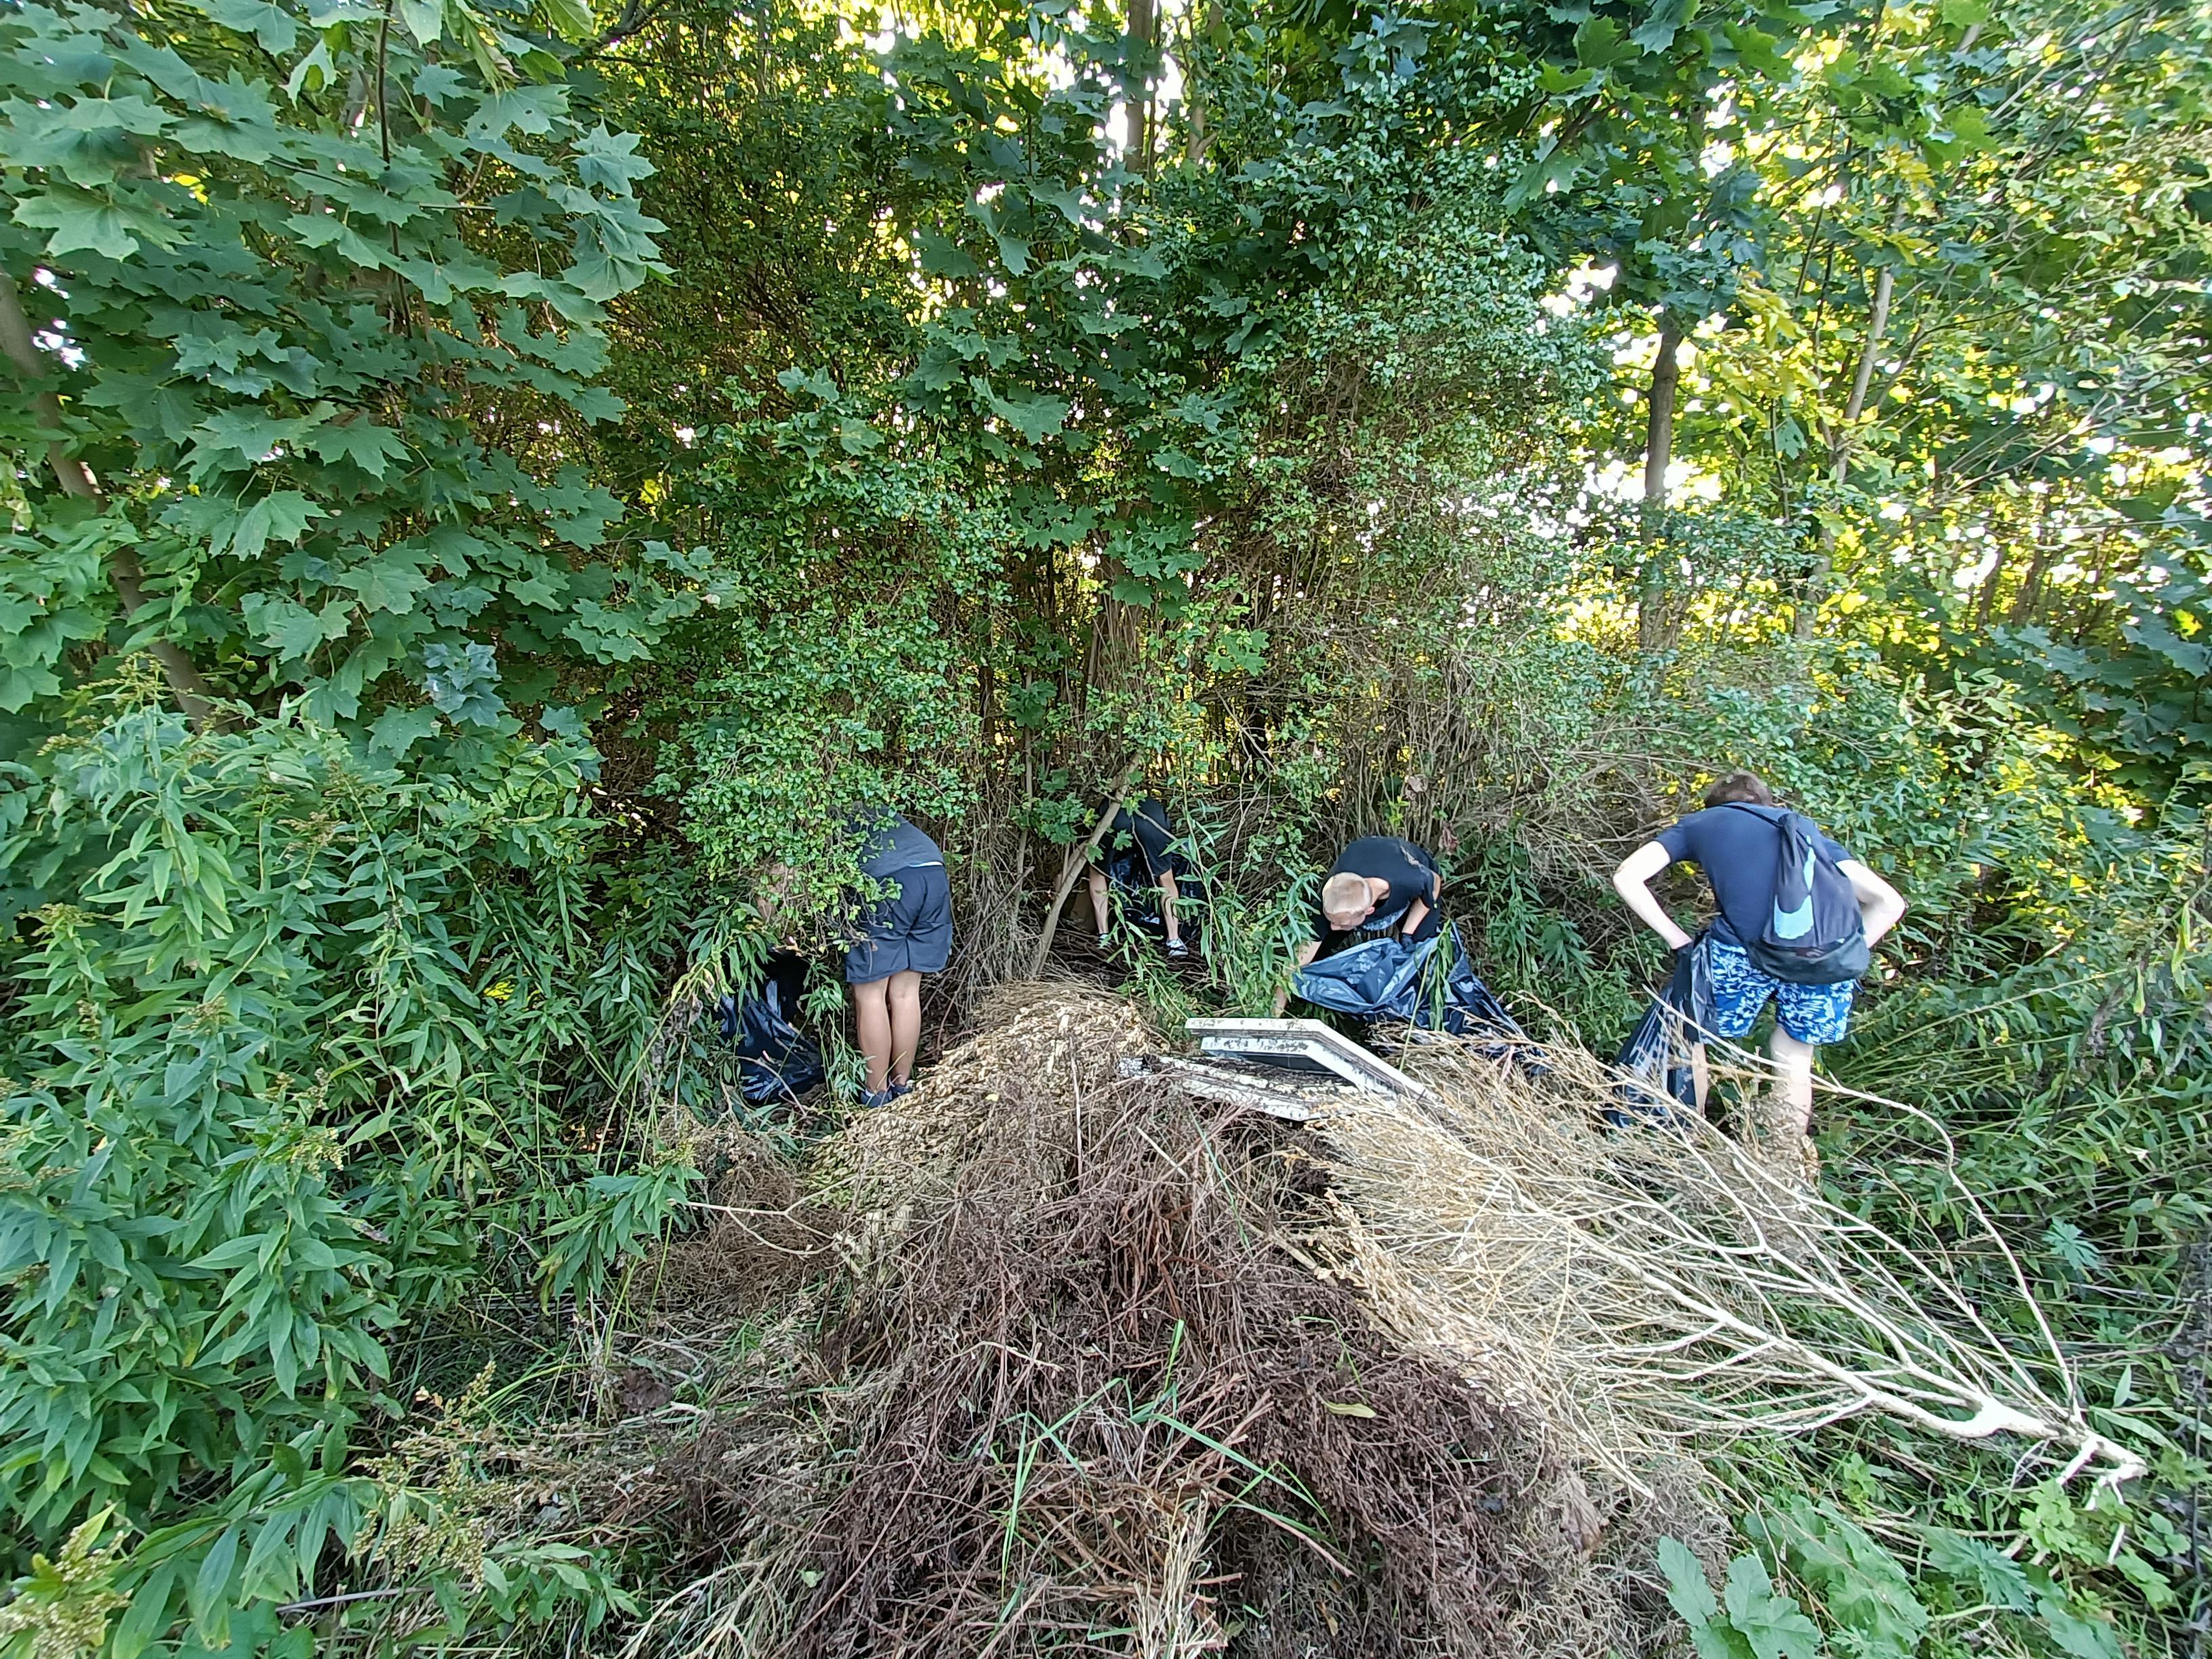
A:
(488, 482)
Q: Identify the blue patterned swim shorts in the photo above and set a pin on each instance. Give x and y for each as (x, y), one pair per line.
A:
(1812, 1013)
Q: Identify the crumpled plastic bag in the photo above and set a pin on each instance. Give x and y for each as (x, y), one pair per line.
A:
(777, 1062)
(1656, 1081)
(1430, 984)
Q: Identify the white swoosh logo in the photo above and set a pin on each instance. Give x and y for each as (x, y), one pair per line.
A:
(1795, 924)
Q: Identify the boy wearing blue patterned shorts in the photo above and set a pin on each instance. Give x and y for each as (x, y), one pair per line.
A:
(1740, 853)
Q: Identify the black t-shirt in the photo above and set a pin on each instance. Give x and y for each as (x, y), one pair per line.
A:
(1410, 870)
(898, 846)
(1140, 833)
(1740, 850)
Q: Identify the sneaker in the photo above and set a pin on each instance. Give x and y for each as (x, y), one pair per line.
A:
(883, 1097)
(898, 1090)
(1177, 950)
(1105, 941)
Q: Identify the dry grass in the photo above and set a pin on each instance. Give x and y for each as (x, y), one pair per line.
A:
(1647, 1293)
(1082, 1392)
(1046, 1359)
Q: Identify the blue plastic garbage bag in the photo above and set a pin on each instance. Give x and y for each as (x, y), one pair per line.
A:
(1656, 1083)
(1429, 985)
(776, 1059)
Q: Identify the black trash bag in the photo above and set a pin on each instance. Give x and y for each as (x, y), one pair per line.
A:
(1138, 892)
(1656, 1084)
(1140, 897)
(1378, 978)
(1391, 979)
(777, 1062)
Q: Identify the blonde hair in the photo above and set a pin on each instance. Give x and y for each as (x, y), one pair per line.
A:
(1344, 895)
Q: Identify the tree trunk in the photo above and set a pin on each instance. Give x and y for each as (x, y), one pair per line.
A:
(1204, 18)
(1143, 30)
(1078, 858)
(124, 572)
(1652, 628)
(1985, 602)
(1839, 452)
(2031, 585)
(1840, 448)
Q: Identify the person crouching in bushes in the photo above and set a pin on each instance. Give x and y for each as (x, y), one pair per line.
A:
(1137, 854)
(902, 934)
(1379, 885)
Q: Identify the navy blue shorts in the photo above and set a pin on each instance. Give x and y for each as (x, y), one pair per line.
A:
(908, 930)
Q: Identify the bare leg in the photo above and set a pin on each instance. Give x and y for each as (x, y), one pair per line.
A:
(1793, 1089)
(1790, 1114)
(905, 1023)
(1098, 899)
(1167, 906)
(872, 1013)
(1701, 1074)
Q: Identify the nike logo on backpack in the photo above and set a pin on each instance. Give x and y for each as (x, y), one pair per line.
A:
(1797, 922)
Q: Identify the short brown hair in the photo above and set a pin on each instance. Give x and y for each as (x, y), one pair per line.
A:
(1747, 787)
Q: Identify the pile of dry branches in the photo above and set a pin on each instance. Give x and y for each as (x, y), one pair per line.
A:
(1646, 1293)
(1078, 1394)
(1051, 1357)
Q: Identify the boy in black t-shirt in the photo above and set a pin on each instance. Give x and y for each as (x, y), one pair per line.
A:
(1379, 883)
(1137, 852)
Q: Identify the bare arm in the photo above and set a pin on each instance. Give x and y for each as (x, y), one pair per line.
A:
(1881, 905)
(1307, 952)
(1416, 914)
(1632, 881)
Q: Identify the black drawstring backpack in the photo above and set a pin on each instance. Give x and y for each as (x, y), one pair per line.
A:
(1815, 934)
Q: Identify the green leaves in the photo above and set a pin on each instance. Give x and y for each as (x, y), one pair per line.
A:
(1753, 1621)
(280, 333)
(941, 257)
(1996, 1579)
(210, 1275)
(92, 222)
(272, 26)
(1862, 1588)
(610, 161)
(1599, 43)
(364, 444)
(282, 516)
(1771, 1623)
(463, 682)
(1035, 418)
(1665, 20)
(292, 630)
(1863, 1593)
(388, 582)
(621, 1216)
